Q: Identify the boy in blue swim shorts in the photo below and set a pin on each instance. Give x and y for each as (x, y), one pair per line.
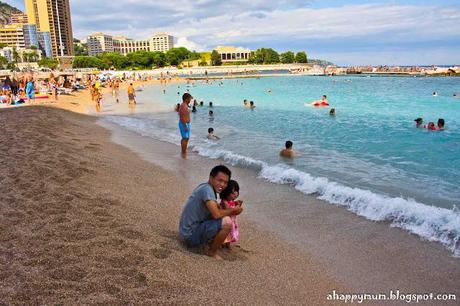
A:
(184, 122)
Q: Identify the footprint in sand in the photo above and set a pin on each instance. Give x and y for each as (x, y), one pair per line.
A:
(131, 234)
(160, 253)
(68, 273)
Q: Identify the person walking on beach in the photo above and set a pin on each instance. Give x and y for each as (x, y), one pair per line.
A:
(30, 90)
(203, 222)
(131, 94)
(116, 89)
(184, 122)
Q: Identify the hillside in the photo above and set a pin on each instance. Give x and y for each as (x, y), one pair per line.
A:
(5, 12)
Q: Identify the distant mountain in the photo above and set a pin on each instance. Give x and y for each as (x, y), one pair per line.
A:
(5, 12)
(320, 62)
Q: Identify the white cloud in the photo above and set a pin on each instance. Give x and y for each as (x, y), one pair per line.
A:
(284, 24)
(185, 42)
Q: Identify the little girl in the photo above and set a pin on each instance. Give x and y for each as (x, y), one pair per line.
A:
(229, 196)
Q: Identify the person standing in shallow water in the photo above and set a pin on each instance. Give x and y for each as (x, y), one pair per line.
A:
(184, 122)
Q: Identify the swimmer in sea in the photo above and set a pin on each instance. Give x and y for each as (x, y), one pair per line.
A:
(435, 94)
(418, 122)
(430, 126)
(322, 102)
(211, 135)
(332, 112)
(252, 105)
(288, 151)
(441, 124)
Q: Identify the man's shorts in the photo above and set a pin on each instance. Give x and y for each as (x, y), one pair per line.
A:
(183, 133)
(131, 97)
(204, 232)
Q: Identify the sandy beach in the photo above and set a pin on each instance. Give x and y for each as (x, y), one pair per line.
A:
(86, 221)
(89, 215)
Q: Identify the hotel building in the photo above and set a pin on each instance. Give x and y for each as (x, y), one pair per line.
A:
(54, 27)
(99, 43)
(12, 35)
(19, 18)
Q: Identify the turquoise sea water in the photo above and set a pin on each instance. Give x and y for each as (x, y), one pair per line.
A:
(369, 158)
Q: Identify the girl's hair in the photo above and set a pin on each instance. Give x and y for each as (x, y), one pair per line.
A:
(231, 187)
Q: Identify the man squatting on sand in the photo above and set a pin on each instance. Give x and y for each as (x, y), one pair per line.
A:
(203, 221)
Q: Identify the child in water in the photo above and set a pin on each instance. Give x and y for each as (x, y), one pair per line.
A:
(430, 126)
(229, 196)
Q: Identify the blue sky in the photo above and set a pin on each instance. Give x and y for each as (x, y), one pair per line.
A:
(353, 32)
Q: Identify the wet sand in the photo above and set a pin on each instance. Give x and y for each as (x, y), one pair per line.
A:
(365, 256)
(86, 221)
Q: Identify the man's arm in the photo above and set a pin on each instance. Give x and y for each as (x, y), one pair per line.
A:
(218, 213)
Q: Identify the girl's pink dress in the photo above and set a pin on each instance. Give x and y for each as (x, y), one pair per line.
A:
(234, 235)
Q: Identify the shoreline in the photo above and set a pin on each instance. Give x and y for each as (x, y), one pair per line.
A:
(315, 236)
(85, 220)
(347, 244)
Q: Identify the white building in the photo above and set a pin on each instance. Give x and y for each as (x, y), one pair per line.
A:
(125, 45)
(24, 55)
(99, 43)
(161, 42)
(229, 54)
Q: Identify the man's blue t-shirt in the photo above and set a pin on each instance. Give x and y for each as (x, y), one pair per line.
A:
(195, 210)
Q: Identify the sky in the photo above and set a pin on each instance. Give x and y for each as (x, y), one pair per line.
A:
(353, 32)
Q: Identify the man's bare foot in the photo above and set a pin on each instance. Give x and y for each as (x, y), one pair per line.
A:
(215, 256)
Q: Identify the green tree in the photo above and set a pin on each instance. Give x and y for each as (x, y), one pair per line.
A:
(3, 45)
(264, 56)
(48, 63)
(140, 59)
(30, 57)
(89, 62)
(79, 48)
(3, 62)
(116, 60)
(301, 57)
(287, 57)
(215, 58)
(158, 59)
(175, 56)
(16, 57)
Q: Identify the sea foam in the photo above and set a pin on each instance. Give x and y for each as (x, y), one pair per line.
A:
(429, 222)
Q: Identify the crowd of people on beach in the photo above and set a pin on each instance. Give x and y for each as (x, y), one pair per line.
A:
(27, 89)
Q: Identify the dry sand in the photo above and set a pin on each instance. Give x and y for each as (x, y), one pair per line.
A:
(86, 221)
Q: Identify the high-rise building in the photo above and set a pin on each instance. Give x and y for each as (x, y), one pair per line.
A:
(99, 43)
(19, 18)
(12, 35)
(53, 21)
(30, 35)
(161, 42)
